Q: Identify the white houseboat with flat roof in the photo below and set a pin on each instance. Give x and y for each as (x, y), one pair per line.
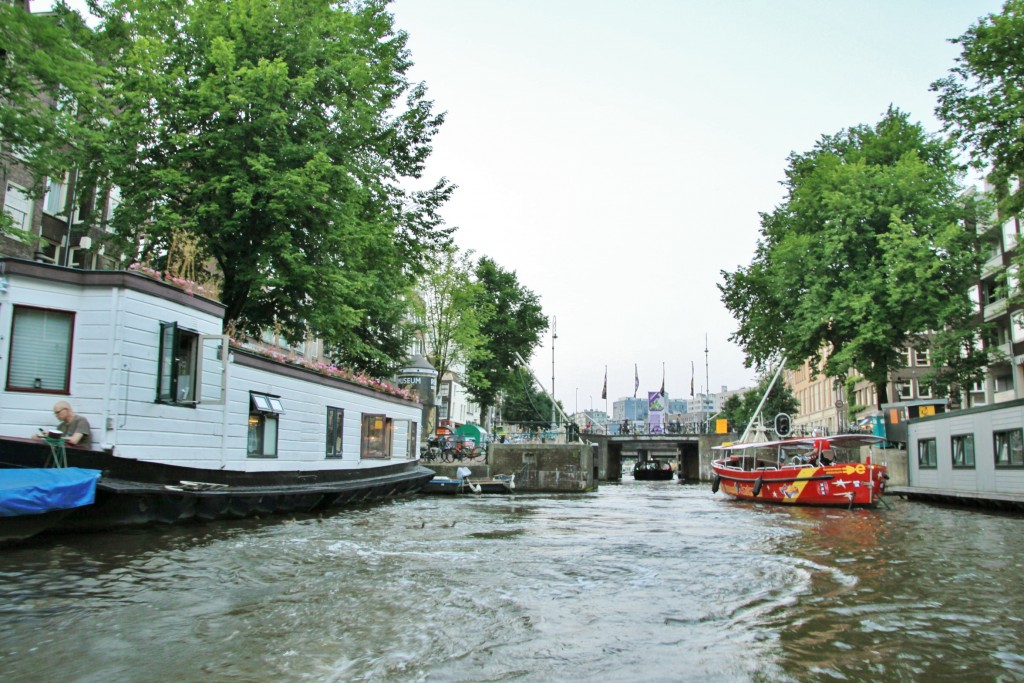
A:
(186, 424)
(973, 456)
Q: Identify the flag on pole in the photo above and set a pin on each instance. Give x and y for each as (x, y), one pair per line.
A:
(604, 389)
(663, 379)
(691, 379)
(636, 380)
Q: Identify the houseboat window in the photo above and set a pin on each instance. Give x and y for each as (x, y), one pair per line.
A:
(263, 412)
(376, 437)
(406, 430)
(963, 450)
(1009, 446)
(40, 357)
(335, 427)
(926, 454)
(176, 379)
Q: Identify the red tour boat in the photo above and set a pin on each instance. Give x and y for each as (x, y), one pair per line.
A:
(802, 471)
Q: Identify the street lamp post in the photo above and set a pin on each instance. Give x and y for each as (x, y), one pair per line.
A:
(554, 336)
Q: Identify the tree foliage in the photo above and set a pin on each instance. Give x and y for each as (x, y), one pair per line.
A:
(52, 104)
(451, 314)
(981, 101)
(523, 404)
(514, 325)
(739, 408)
(279, 134)
(866, 255)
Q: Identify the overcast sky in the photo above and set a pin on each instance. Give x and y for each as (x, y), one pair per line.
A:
(616, 155)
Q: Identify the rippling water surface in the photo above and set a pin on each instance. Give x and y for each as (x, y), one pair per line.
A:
(643, 581)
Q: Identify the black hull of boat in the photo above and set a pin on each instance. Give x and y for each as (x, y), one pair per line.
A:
(22, 527)
(655, 475)
(136, 493)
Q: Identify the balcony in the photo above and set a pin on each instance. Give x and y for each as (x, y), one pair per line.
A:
(995, 309)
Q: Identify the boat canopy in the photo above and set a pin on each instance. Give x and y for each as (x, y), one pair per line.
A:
(807, 443)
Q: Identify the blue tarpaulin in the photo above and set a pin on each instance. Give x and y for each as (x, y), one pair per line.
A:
(35, 491)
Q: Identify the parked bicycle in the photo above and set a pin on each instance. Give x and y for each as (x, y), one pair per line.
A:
(462, 451)
(436, 450)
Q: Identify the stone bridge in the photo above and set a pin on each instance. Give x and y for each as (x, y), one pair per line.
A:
(691, 453)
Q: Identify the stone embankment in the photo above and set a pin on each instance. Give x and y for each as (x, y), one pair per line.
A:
(549, 468)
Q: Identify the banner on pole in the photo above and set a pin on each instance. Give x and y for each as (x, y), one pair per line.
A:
(655, 412)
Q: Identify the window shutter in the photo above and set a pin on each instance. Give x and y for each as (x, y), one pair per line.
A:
(40, 349)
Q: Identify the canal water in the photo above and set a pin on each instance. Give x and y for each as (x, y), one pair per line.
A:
(640, 581)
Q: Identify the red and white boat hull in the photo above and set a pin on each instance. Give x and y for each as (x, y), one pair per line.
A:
(845, 484)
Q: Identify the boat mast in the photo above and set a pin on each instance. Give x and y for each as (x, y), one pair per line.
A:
(757, 413)
(540, 385)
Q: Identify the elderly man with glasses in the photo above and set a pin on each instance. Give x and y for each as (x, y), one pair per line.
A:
(75, 428)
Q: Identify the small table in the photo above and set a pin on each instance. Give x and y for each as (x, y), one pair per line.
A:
(58, 454)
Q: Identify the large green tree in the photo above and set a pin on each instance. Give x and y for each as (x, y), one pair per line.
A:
(981, 101)
(867, 254)
(513, 326)
(448, 297)
(282, 136)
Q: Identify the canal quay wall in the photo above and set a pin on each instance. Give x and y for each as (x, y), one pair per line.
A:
(895, 459)
(538, 468)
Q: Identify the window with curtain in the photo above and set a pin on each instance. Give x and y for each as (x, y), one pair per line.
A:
(40, 358)
(264, 410)
(376, 437)
(56, 196)
(335, 427)
(176, 377)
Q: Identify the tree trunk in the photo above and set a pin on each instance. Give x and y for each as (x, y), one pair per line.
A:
(484, 410)
(882, 392)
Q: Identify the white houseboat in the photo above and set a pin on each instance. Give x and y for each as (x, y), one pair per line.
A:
(973, 456)
(186, 425)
